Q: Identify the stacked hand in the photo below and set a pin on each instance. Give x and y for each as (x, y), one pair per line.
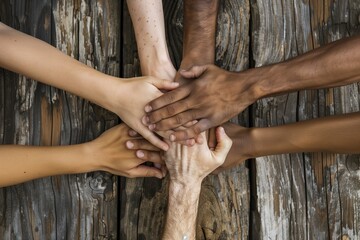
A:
(210, 98)
(119, 153)
(130, 109)
(190, 165)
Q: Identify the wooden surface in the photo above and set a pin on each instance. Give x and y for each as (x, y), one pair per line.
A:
(304, 196)
(293, 196)
(66, 207)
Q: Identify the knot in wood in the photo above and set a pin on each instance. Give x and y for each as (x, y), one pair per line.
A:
(353, 163)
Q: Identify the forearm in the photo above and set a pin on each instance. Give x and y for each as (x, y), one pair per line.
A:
(24, 163)
(182, 211)
(333, 65)
(38, 60)
(199, 32)
(336, 134)
(148, 20)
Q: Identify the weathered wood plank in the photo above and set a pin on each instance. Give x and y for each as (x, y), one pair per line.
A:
(224, 201)
(89, 31)
(66, 207)
(307, 191)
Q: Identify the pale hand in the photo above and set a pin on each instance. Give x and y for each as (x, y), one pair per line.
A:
(134, 95)
(187, 165)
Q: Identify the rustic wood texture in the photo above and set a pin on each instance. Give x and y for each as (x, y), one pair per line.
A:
(293, 196)
(304, 196)
(66, 207)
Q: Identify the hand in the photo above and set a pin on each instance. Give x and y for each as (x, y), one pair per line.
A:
(192, 164)
(212, 99)
(134, 95)
(240, 149)
(109, 152)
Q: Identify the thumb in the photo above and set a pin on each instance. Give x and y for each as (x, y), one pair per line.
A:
(223, 146)
(163, 84)
(193, 72)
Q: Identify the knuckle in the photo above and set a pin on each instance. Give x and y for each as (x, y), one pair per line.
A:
(178, 119)
(169, 98)
(196, 130)
(193, 115)
(153, 117)
(150, 156)
(170, 110)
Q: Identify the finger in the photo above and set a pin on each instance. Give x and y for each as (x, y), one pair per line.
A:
(158, 165)
(168, 98)
(145, 120)
(178, 120)
(190, 124)
(143, 144)
(199, 139)
(164, 170)
(191, 132)
(155, 140)
(224, 144)
(145, 171)
(149, 156)
(193, 72)
(164, 84)
(212, 138)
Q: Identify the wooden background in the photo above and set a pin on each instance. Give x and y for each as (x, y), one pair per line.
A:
(292, 196)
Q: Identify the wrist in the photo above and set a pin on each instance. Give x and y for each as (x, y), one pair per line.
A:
(271, 80)
(196, 58)
(88, 159)
(114, 94)
(159, 67)
(180, 193)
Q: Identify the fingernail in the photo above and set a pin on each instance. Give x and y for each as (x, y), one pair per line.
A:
(129, 145)
(175, 84)
(148, 108)
(159, 175)
(172, 138)
(144, 120)
(132, 133)
(190, 142)
(221, 129)
(140, 154)
(164, 172)
(165, 147)
(152, 126)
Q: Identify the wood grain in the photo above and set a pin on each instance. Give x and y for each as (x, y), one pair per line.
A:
(307, 191)
(290, 196)
(66, 207)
